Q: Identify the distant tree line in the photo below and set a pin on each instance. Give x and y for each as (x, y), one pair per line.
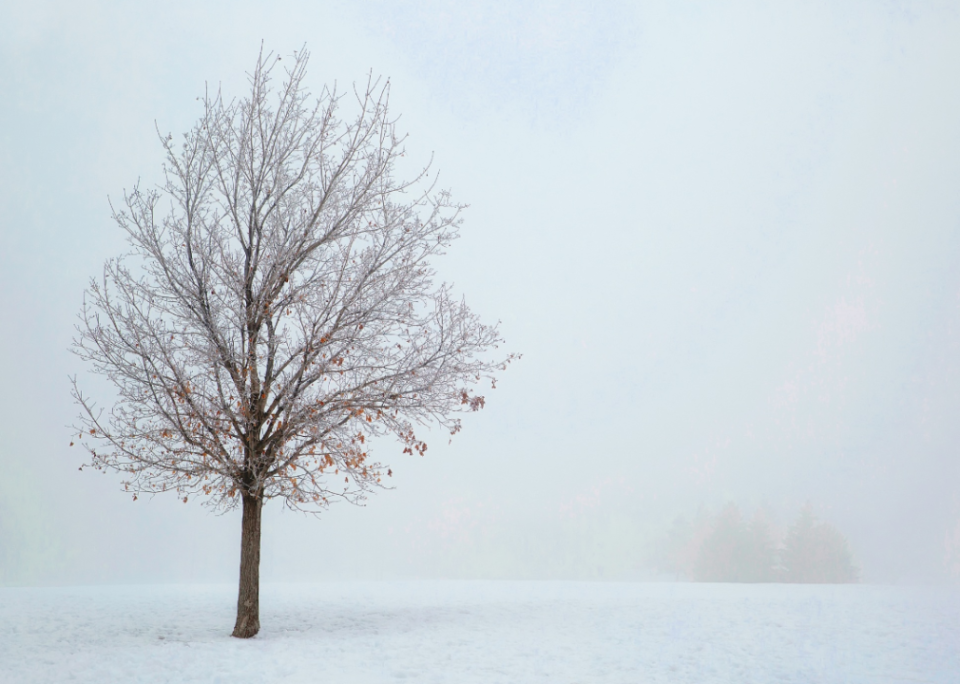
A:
(725, 547)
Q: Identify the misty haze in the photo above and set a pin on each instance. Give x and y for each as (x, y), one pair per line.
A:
(681, 398)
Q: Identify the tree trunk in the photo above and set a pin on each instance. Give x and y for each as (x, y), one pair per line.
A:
(248, 601)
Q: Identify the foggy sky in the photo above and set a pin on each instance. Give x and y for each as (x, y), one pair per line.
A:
(724, 238)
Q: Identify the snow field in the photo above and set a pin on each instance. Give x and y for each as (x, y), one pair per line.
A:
(463, 632)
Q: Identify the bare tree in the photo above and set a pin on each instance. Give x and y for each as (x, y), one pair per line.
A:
(277, 309)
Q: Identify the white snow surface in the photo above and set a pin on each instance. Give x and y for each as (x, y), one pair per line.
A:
(446, 631)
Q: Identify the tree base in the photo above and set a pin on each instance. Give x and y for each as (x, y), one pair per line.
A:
(246, 628)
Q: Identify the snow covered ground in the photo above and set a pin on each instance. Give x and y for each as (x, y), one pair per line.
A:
(484, 632)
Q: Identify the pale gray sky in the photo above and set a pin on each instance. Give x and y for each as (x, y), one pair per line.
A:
(725, 236)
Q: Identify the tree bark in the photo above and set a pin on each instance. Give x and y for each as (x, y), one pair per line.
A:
(248, 601)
